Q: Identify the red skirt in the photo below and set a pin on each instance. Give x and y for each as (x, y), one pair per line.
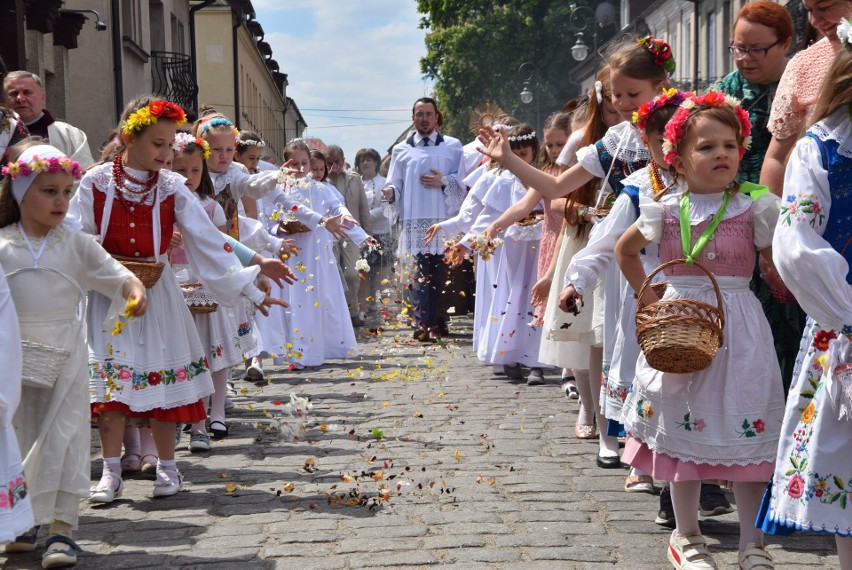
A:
(188, 414)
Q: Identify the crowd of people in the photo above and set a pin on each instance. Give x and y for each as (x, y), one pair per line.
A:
(183, 257)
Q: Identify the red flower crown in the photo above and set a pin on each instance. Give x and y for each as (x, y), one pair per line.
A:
(673, 133)
(662, 52)
(669, 97)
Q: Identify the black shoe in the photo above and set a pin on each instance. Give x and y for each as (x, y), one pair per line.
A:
(421, 335)
(713, 501)
(606, 462)
(665, 517)
(218, 429)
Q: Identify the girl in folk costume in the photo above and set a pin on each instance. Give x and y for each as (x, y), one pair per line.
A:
(506, 337)
(153, 367)
(12, 131)
(813, 475)
(317, 327)
(638, 72)
(593, 261)
(722, 422)
(224, 332)
(556, 133)
(49, 268)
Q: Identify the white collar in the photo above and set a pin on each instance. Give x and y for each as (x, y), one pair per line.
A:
(433, 136)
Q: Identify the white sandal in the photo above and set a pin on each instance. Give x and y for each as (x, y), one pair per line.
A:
(690, 552)
(755, 557)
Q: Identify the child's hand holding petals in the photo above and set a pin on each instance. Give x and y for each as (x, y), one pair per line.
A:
(137, 301)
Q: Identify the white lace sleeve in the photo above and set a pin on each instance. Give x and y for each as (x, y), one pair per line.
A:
(454, 195)
(650, 222)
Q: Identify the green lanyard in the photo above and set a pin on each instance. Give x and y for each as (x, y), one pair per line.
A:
(686, 228)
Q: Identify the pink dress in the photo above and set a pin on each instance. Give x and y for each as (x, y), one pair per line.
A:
(549, 234)
(724, 421)
(799, 88)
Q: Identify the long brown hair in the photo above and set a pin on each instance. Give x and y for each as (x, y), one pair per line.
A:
(836, 89)
(10, 211)
(560, 122)
(593, 130)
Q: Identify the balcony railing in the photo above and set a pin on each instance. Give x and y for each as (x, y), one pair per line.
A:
(172, 79)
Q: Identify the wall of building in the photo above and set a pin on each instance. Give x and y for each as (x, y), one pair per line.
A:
(261, 104)
(215, 58)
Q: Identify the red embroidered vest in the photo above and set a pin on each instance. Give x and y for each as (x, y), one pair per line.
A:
(131, 232)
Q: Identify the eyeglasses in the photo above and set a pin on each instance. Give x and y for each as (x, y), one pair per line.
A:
(740, 52)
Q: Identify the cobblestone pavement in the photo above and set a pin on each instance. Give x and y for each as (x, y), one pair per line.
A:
(416, 456)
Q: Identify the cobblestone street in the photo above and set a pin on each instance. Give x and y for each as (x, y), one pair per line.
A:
(416, 456)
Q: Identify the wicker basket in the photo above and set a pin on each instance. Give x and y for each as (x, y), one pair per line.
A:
(679, 336)
(148, 272)
(295, 227)
(198, 299)
(42, 364)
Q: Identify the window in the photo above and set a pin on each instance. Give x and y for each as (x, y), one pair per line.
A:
(726, 35)
(685, 59)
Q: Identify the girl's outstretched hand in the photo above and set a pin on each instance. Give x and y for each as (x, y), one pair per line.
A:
(263, 284)
(541, 290)
(268, 302)
(276, 270)
(334, 224)
(288, 248)
(134, 292)
(496, 144)
(491, 231)
(288, 170)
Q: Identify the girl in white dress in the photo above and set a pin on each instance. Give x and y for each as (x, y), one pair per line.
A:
(813, 473)
(722, 422)
(52, 421)
(155, 367)
(318, 326)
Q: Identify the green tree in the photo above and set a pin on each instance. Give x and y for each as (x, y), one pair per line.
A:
(475, 47)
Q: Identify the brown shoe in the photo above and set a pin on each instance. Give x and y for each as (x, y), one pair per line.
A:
(421, 335)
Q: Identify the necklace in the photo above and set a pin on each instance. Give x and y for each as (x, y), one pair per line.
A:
(657, 186)
(120, 177)
(686, 228)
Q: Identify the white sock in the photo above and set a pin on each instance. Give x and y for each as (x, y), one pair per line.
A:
(112, 465)
(166, 465)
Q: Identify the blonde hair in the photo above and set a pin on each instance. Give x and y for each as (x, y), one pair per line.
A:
(636, 61)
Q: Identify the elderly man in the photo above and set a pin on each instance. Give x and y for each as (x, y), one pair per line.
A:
(25, 95)
(352, 189)
(422, 177)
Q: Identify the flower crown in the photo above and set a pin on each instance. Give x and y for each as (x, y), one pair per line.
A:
(662, 52)
(844, 33)
(221, 122)
(669, 96)
(150, 114)
(251, 142)
(38, 165)
(183, 140)
(518, 138)
(675, 127)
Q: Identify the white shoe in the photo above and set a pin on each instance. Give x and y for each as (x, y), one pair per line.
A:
(107, 490)
(254, 373)
(690, 553)
(168, 483)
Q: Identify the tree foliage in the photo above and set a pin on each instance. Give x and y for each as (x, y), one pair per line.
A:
(475, 47)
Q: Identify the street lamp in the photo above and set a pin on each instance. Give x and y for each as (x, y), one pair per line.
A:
(528, 71)
(583, 16)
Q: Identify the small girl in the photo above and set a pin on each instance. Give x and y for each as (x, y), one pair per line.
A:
(225, 333)
(724, 421)
(52, 424)
(506, 339)
(152, 367)
(317, 326)
(812, 249)
(248, 152)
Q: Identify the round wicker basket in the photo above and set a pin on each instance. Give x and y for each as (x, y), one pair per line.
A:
(148, 272)
(679, 336)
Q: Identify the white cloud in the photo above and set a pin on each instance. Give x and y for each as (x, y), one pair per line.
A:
(353, 55)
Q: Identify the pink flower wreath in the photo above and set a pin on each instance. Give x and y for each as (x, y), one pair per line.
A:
(673, 133)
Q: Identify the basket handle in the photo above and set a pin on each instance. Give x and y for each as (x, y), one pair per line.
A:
(80, 303)
(647, 283)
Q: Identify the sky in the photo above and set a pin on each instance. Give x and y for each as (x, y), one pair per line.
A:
(353, 67)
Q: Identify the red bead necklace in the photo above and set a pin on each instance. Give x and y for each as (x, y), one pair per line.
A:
(120, 176)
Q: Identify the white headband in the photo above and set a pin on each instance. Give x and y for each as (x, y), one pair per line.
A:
(20, 184)
(251, 142)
